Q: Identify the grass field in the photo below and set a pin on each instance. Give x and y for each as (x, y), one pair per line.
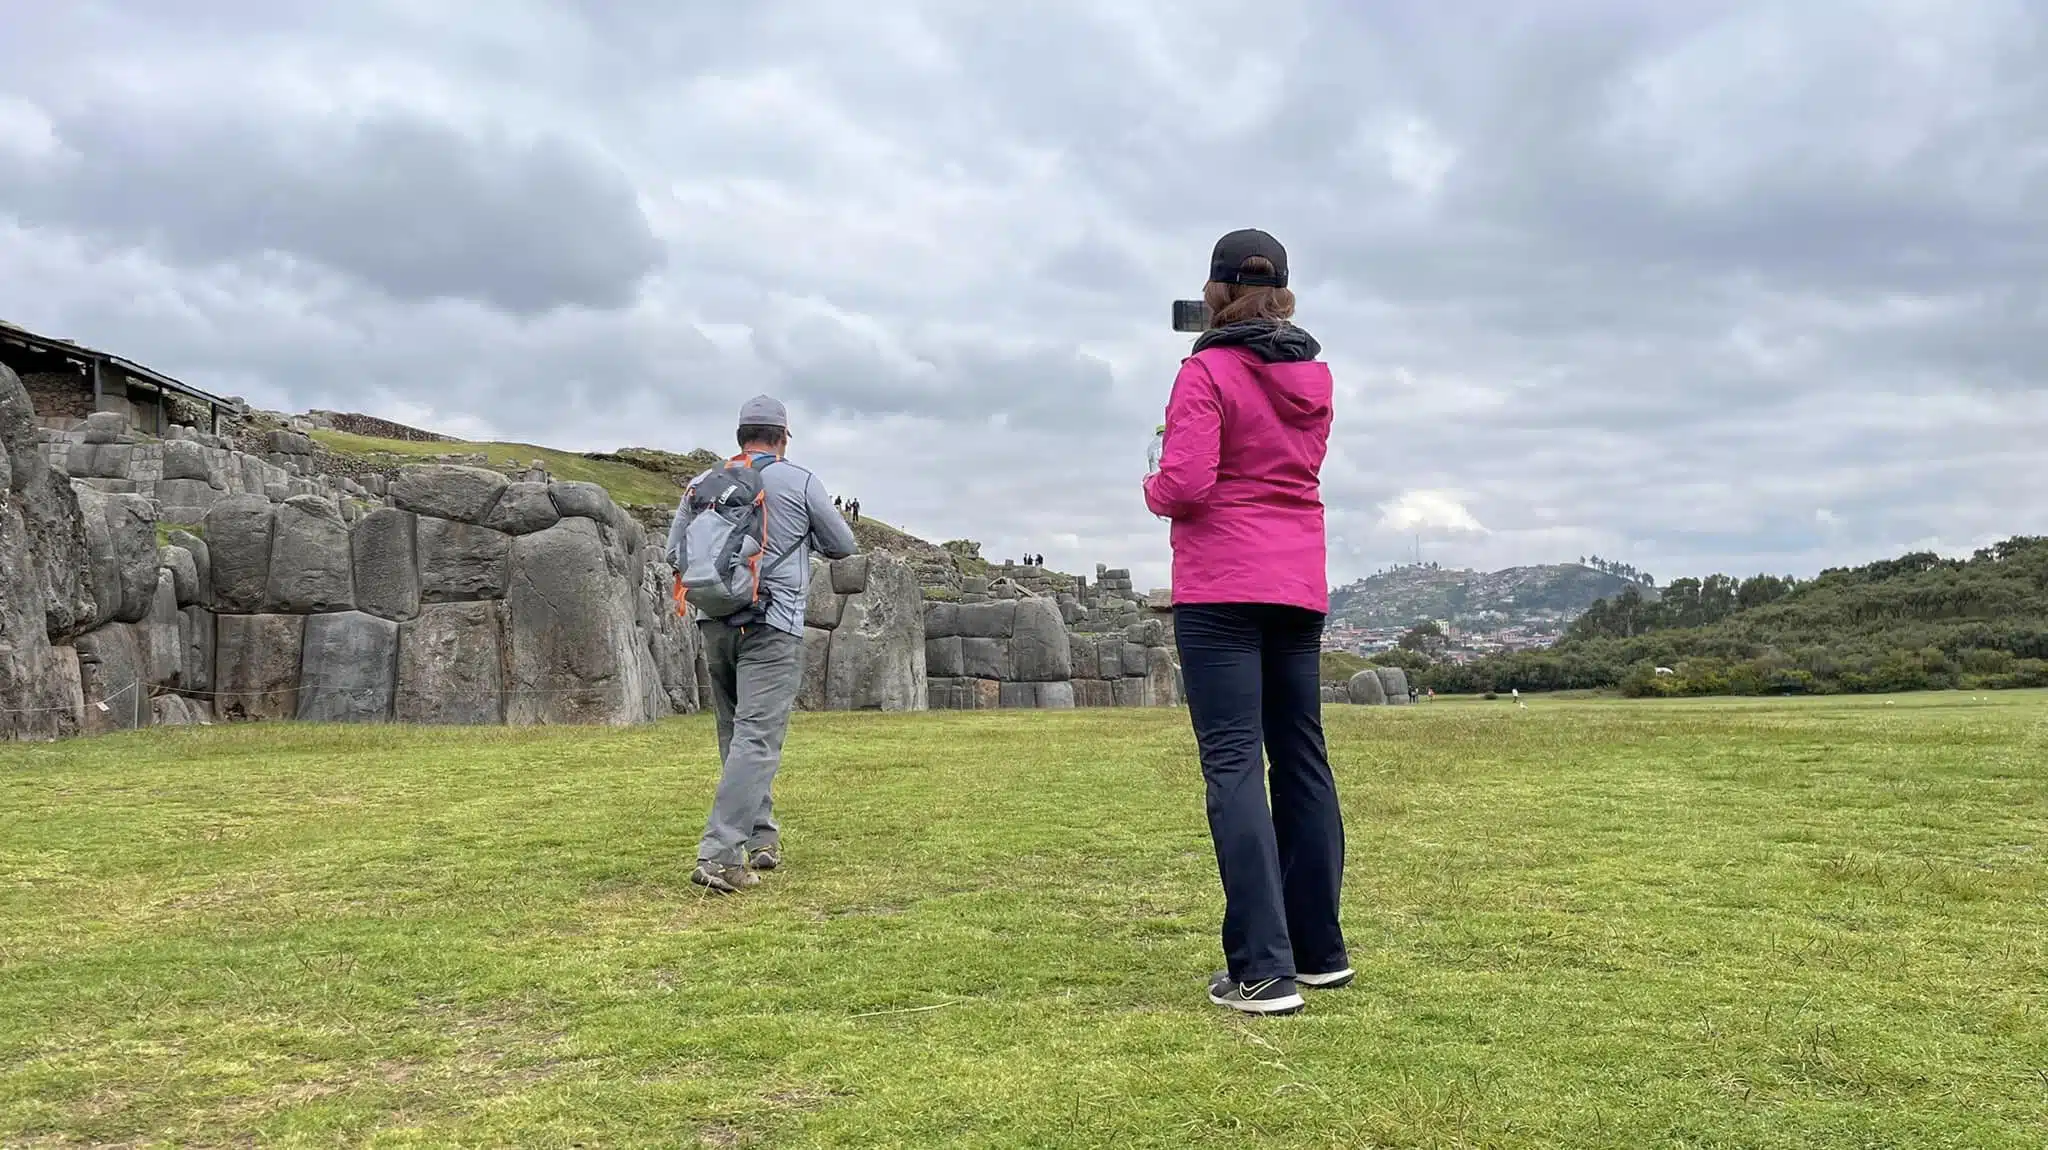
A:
(626, 483)
(1722, 923)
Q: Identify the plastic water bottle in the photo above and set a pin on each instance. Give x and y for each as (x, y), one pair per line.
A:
(1157, 449)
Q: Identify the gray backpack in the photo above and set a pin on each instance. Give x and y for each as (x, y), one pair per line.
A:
(724, 560)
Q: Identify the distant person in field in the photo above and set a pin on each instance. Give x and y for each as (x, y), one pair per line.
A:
(1247, 428)
(742, 539)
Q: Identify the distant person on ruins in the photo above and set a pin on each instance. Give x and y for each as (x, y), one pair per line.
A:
(754, 653)
(1247, 427)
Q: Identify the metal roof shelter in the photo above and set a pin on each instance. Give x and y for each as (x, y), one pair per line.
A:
(18, 345)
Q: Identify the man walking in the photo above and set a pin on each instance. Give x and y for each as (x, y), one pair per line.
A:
(755, 657)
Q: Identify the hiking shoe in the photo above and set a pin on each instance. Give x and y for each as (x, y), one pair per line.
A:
(1330, 981)
(766, 858)
(724, 879)
(1266, 996)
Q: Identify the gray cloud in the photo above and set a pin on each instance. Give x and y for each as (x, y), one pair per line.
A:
(414, 208)
(1753, 285)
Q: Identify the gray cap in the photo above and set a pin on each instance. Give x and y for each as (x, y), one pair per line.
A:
(764, 411)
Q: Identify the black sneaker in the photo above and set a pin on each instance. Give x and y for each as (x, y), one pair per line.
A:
(1330, 981)
(1266, 996)
(765, 858)
(724, 879)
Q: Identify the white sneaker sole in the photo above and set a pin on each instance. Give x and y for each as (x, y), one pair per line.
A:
(1287, 1005)
(1330, 981)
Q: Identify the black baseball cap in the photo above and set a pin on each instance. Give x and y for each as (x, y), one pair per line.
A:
(1227, 262)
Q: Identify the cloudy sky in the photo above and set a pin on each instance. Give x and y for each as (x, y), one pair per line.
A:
(1740, 286)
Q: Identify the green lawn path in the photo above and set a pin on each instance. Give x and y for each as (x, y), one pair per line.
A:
(1721, 923)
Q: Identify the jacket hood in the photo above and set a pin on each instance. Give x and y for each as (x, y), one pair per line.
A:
(1297, 383)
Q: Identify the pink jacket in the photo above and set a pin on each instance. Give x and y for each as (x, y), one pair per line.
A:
(1245, 441)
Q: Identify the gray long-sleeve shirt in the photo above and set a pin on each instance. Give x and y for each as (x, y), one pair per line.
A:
(800, 516)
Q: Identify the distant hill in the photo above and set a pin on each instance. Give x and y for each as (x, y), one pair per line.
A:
(1554, 594)
(1918, 622)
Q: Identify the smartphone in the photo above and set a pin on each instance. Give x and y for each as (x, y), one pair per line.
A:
(1190, 315)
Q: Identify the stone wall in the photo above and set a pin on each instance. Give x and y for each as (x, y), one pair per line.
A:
(60, 398)
(1371, 687)
(864, 637)
(357, 424)
(458, 596)
(1017, 651)
(198, 578)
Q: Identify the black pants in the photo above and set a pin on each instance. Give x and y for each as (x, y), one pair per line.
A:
(1253, 675)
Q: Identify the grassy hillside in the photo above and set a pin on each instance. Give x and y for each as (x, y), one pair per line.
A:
(1698, 923)
(1918, 622)
(627, 483)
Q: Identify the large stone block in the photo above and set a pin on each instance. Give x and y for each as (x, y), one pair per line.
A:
(460, 562)
(288, 443)
(579, 500)
(574, 646)
(944, 658)
(185, 500)
(985, 659)
(114, 679)
(944, 694)
(1365, 689)
(1038, 644)
(100, 460)
(824, 607)
(1109, 657)
(256, 665)
(965, 694)
(1394, 681)
(186, 459)
(120, 537)
(384, 553)
(184, 571)
(986, 620)
(1162, 678)
(310, 566)
(813, 693)
(162, 646)
(238, 532)
(941, 620)
(451, 665)
(672, 639)
(177, 711)
(349, 669)
(1094, 693)
(523, 509)
(1134, 659)
(877, 657)
(107, 427)
(195, 653)
(850, 575)
(50, 557)
(447, 491)
(1130, 692)
(1082, 650)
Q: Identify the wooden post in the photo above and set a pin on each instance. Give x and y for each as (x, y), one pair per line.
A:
(98, 395)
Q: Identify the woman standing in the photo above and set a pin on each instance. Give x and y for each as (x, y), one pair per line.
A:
(1246, 431)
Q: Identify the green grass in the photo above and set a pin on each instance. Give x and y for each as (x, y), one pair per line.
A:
(628, 484)
(1724, 923)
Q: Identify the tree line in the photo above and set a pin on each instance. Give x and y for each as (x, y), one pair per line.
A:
(1918, 622)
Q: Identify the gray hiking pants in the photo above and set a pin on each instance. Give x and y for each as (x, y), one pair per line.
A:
(755, 673)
